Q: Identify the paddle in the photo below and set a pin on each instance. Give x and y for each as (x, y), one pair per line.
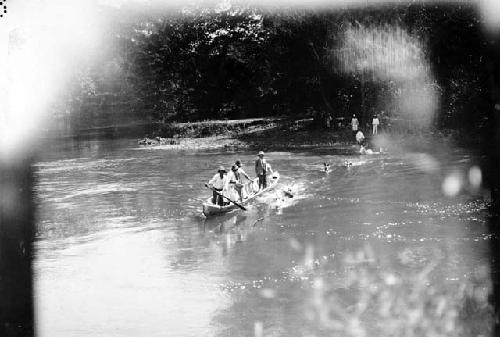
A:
(222, 195)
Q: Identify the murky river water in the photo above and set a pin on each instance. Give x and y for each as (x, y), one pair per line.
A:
(123, 250)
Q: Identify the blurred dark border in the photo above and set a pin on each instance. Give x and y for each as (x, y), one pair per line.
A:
(17, 218)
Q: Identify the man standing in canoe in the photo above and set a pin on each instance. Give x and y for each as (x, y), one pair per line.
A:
(235, 185)
(240, 169)
(243, 191)
(219, 183)
(261, 168)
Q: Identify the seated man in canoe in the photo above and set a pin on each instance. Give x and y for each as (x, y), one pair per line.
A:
(219, 183)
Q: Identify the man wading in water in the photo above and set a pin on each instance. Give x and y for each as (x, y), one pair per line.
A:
(261, 168)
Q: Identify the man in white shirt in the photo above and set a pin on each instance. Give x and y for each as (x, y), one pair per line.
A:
(375, 124)
(219, 183)
(354, 124)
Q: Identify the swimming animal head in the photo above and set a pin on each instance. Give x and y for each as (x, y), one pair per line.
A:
(288, 192)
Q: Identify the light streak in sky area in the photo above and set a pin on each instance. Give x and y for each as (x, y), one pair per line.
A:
(41, 44)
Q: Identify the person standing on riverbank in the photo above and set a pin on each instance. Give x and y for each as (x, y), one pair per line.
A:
(219, 183)
(328, 120)
(261, 168)
(354, 124)
(375, 123)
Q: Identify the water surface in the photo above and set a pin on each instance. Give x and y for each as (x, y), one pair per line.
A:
(122, 248)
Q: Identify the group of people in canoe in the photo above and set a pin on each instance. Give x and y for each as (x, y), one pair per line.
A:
(237, 184)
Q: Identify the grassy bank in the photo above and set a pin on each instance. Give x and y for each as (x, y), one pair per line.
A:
(248, 133)
(279, 133)
(204, 129)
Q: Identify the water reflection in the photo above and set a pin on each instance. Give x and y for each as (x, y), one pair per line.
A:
(128, 283)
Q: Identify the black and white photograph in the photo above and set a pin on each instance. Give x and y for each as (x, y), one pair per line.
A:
(232, 168)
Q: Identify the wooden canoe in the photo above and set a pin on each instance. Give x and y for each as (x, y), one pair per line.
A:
(210, 209)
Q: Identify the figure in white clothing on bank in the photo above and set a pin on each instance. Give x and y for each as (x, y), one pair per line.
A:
(375, 124)
(354, 124)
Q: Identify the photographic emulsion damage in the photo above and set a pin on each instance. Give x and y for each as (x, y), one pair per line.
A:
(235, 168)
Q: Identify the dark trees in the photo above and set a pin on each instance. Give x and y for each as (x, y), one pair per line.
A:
(230, 62)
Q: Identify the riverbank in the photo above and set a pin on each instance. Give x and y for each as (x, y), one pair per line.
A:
(279, 134)
(262, 133)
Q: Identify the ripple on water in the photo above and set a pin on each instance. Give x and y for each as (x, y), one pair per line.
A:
(144, 212)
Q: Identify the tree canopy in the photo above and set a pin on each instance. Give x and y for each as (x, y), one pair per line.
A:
(237, 62)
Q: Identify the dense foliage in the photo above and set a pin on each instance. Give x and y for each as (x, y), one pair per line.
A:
(237, 62)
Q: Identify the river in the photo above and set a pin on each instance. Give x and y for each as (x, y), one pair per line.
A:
(122, 248)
